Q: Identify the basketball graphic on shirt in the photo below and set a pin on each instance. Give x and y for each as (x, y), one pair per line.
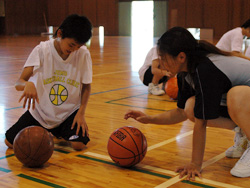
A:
(58, 94)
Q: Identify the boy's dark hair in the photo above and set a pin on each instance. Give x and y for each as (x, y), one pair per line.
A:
(76, 27)
(246, 24)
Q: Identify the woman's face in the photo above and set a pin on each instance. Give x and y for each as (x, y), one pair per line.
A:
(174, 64)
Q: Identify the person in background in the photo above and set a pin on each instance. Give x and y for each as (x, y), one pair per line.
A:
(232, 41)
(151, 74)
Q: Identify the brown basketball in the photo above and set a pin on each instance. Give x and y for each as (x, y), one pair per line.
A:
(33, 146)
(127, 146)
(171, 88)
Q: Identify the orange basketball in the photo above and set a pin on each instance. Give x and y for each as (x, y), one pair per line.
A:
(171, 88)
(127, 146)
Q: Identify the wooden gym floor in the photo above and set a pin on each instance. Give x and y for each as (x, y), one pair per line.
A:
(115, 89)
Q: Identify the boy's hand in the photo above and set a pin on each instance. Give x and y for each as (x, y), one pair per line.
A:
(80, 121)
(29, 95)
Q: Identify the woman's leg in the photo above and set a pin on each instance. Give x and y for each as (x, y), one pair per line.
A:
(220, 122)
(239, 107)
(239, 110)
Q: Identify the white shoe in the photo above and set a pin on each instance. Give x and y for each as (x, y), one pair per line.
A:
(155, 90)
(240, 144)
(242, 167)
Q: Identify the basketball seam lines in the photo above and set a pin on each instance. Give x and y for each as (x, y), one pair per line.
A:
(134, 142)
(124, 148)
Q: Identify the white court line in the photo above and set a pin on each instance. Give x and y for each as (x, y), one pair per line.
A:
(170, 140)
(111, 73)
(173, 180)
(93, 76)
(176, 179)
(213, 160)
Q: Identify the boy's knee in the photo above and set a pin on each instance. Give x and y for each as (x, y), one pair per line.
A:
(78, 146)
(8, 144)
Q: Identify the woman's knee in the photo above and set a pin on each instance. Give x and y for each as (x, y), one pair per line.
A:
(189, 108)
(78, 146)
(237, 102)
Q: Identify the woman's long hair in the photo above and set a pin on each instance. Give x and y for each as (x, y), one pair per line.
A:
(179, 39)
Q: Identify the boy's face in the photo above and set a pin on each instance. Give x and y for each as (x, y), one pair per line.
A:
(69, 45)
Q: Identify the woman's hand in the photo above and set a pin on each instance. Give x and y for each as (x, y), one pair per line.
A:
(191, 170)
(29, 95)
(138, 116)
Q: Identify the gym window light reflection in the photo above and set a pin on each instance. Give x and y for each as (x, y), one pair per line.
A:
(101, 36)
(142, 31)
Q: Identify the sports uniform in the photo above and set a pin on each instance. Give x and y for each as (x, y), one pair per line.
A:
(223, 72)
(59, 84)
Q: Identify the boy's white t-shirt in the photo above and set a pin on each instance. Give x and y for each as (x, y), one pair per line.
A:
(231, 40)
(58, 82)
(152, 55)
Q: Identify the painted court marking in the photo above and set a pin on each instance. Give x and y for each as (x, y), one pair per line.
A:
(170, 140)
(173, 180)
(116, 72)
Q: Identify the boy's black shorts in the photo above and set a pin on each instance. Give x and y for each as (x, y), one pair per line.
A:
(148, 77)
(62, 131)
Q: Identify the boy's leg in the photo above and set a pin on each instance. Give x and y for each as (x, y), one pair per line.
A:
(78, 142)
(152, 82)
(24, 121)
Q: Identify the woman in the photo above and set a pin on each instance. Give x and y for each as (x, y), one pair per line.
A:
(212, 92)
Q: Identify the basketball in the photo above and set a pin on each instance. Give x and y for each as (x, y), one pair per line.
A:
(171, 88)
(33, 146)
(127, 146)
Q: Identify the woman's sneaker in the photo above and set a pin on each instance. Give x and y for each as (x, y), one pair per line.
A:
(155, 90)
(240, 144)
(242, 167)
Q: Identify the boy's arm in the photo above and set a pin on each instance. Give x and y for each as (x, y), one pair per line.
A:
(86, 89)
(156, 70)
(23, 79)
(28, 88)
